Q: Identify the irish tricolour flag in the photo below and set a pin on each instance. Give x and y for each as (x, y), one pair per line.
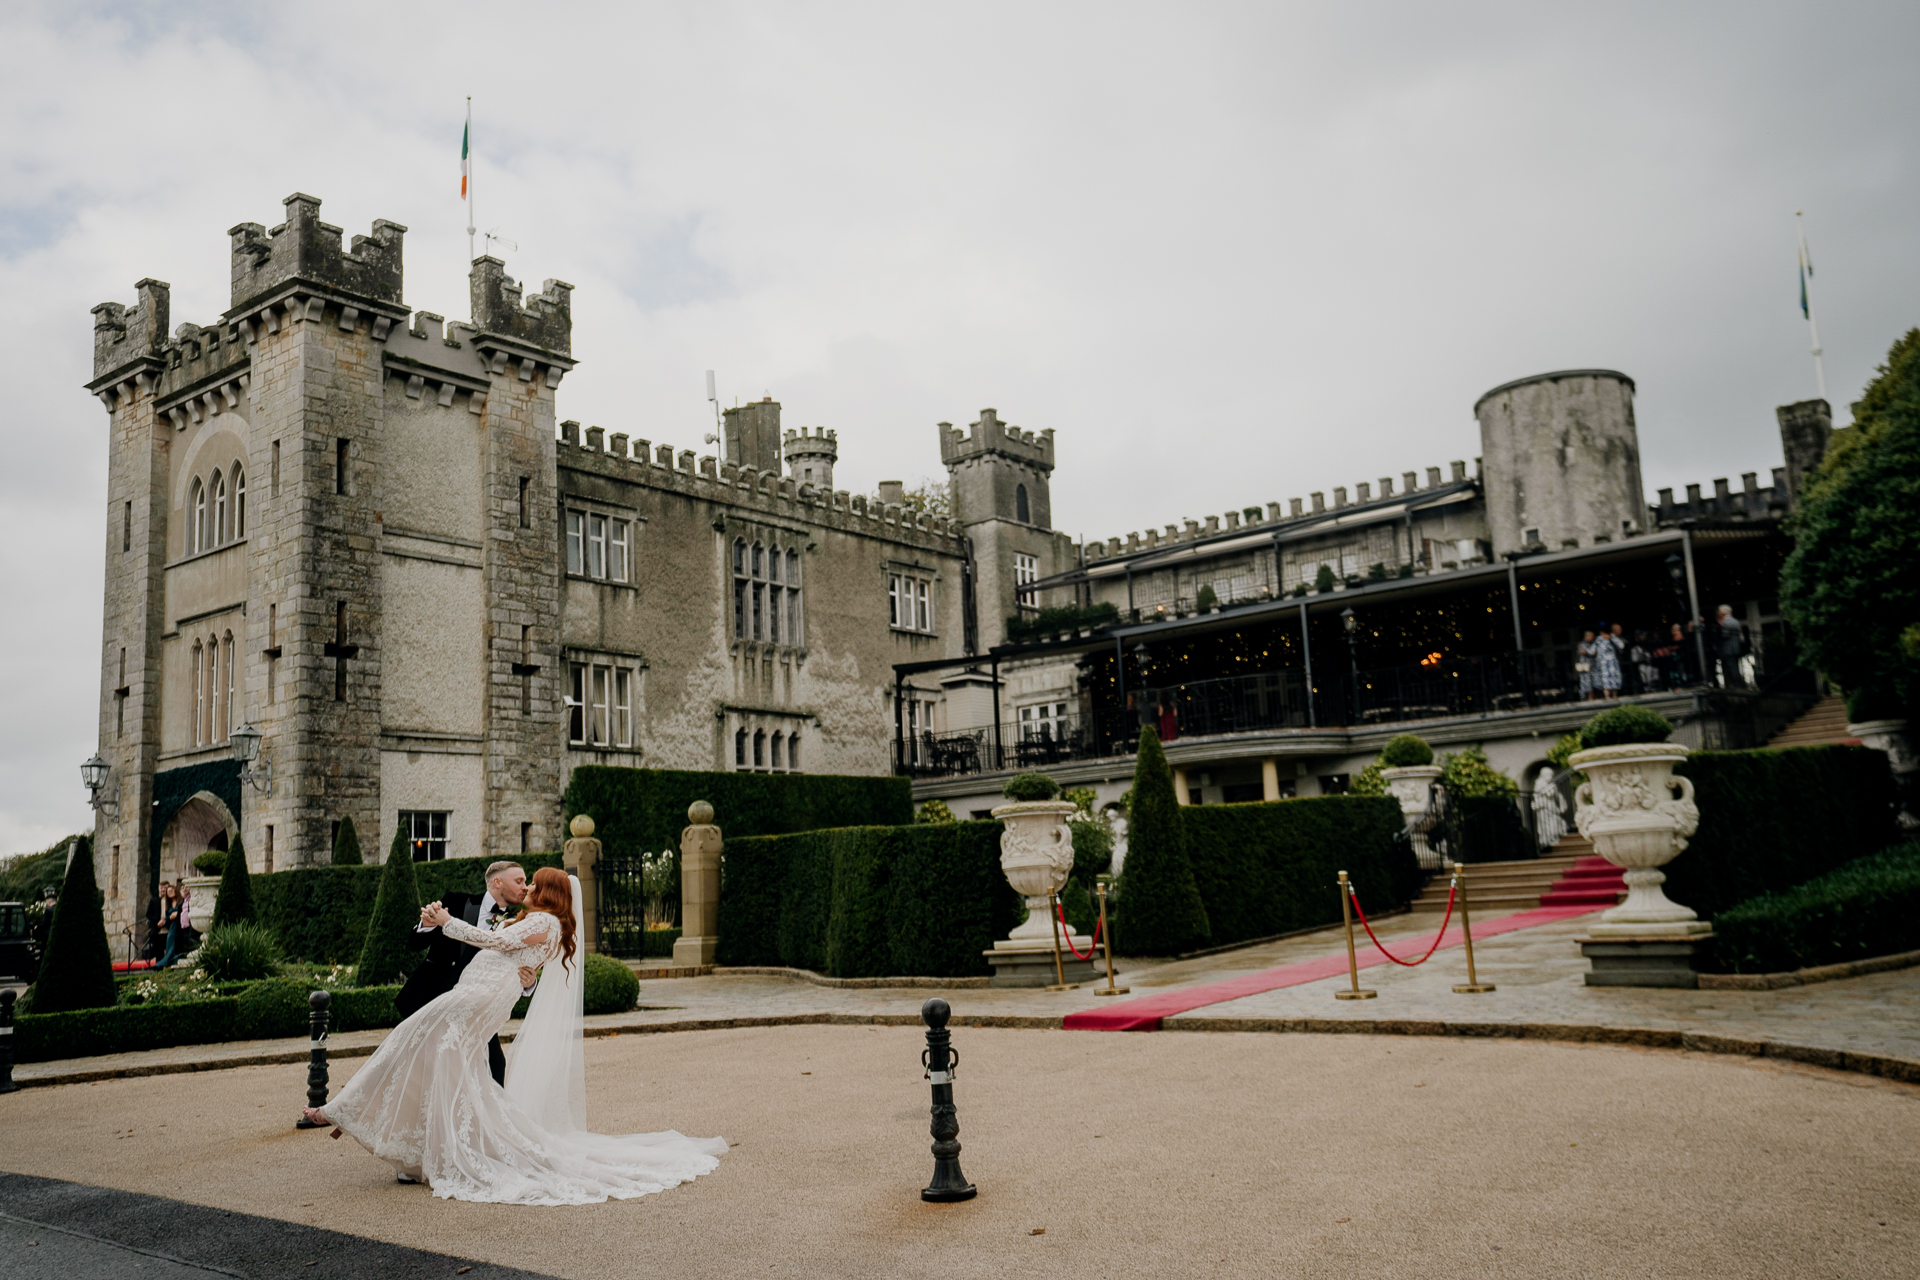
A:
(466, 165)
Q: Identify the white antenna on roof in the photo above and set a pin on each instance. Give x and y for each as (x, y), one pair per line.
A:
(718, 438)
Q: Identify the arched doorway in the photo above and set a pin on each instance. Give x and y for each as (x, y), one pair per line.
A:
(204, 822)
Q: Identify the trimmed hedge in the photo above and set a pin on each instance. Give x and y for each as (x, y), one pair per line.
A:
(320, 914)
(235, 903)
(1870, 907)
(77, 970)
(274, 1013)
(1774, 818)
(1161, 909)
(611, 987)
(865, 902)
(1273, 867)
(646, 809)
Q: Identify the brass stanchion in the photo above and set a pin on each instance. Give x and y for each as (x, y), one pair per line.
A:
(1353, 965)
(1060, 982)
(1473, 986)
(1100, 884)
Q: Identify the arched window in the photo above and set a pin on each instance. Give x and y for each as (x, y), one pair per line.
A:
(1020, 509)
(773, 594)
(199, 691)
(793, 753)
(740, 749)
(740, 594)
(213, 689)
(779, 754)
(226, 695)
(760, 749)
(794, 633)
(759, 593)
(196, 516)
(222, 530)
(239, 502)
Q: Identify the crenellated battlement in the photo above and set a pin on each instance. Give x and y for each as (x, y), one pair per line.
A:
(544, 321)
(1752, 502)
(821, 440)
(991, 436)
(662, 466)
(307, 249)
(123, 335)
(1386, 503)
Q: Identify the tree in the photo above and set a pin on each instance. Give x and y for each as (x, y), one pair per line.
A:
(1850, 589)
(929, 497)
(77, 970)
(235, 902)
(1163, 913)
(385, 957)
(1324, 580)
(346, 845)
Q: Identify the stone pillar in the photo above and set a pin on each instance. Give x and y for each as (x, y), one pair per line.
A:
(1269, 779)
(1806, 429)
(582, 858)
(1180, 793)
(700, 846)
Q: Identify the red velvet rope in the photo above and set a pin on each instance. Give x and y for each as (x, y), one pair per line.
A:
(1410, 964)
(1093, 947)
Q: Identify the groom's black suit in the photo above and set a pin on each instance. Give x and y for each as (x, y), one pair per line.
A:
(441, 969)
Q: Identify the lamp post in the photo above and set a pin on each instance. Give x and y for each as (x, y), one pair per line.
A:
(246, 748)
(94, 773)
(1677, 574)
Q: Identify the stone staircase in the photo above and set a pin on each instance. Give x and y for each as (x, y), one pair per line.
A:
(1570, 873)
(1824, 724)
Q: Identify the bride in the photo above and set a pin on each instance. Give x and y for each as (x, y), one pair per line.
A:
(426, 1104)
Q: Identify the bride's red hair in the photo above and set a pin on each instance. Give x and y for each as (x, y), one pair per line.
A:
(549, 891)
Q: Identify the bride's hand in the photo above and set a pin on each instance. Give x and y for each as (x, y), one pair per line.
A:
(433, 915)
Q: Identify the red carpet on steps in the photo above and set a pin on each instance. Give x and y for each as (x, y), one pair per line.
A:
(1590, 882)
(1145, 1014)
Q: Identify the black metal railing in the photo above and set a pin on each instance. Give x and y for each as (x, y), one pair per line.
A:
(624, 905)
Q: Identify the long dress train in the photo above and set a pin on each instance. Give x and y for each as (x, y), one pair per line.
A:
(426, 1103)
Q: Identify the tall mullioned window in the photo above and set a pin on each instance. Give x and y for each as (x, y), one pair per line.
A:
(426, 832)
(599, 546)
(766, 593)
(909, 602)
(600, 704)
(197, 517)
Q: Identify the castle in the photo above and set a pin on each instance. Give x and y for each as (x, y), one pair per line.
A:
(364, 532)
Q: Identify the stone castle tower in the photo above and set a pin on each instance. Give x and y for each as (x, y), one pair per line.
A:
(333, 520)
(999, 478)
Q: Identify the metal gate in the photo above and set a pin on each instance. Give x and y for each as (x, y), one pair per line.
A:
(620, 898)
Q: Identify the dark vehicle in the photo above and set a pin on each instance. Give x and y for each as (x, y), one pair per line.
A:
(19, 957)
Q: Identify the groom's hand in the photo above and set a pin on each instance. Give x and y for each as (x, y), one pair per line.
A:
(527, 977)
(434, 915)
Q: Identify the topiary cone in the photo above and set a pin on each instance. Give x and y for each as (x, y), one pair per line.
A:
(385, 957)
(235, 902)
(346, 845)
(77, 971)
(1160, 898)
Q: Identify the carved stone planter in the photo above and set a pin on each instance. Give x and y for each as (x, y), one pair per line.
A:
(1891, 737)
(1036, 854)
(1638, 815)
(203, 894)
(1412, 786)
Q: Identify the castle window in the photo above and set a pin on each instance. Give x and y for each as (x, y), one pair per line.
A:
(599, 704)
(1026, 569)
(222, 526)
(599, 546)
(779, 752)
(426, 832)
(759, 592)
(226, 697)
(1043, 722)
(773, 594)
(602, 679)
(622, 706)
(596, 546)
(909, 603)
(523, 502)
(793, 753)
(576, 542)
(740, 590)
(199, 691)
(126, 528)
(1020, 508)
(794, 632)
(196, 517)
(760, 749)
(740, 749)
(340, 465)
(213, 688)
(239, 502)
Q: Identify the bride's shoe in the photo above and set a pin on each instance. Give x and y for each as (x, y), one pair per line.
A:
(318, 1118)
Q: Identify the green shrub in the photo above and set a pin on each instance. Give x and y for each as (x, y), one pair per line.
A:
(1771, 819)
(27, 879)
(87, 1033)
(1056, 620)
(77, 970)
(934, 811)
(211, 863)
(611, 986)
(1370, 781)
(1324, 580)
(386, 957)
(235, 903)
(1161, 911)
(1627, 723)
(1562, 751)
(915, 900)
(658, 943)
(1869, 907)
(1274, 867)
(1206, 599)
(362, 1008)
(321, 914)
(1406, 751)
(273, 1010)
(346, 845)
(1468, 773)
(237, 952)
(1032, 785)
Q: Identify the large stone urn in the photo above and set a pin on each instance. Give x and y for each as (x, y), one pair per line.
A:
(203, 894)
(1638, 815)
(1412, 786)
(1036, 854)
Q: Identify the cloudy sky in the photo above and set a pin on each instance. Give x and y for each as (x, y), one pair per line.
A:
(1230, 253)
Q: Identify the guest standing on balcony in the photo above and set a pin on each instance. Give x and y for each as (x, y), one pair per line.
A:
(1169, 726)
(1728, 640)
(1645, 666)
(1583, 665)
(1606, 663)
(1680, 655)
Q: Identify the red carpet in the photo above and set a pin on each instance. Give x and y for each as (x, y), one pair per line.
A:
(1589, 881)
(1145, 1014)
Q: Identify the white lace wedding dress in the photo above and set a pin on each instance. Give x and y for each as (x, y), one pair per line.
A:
(426, 1103)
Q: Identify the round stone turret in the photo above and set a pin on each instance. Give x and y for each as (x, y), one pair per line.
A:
(1561, 461)
(810, 455)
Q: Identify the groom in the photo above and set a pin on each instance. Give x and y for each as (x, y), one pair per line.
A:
(437, 974)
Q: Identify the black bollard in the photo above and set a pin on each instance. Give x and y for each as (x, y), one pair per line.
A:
(6, 1043)
(317, 1057)
(948, 1183)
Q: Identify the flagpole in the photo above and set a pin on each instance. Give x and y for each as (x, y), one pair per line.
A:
(1806, 295)
(469, 181)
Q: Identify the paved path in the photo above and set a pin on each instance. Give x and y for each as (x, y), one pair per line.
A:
(1539, 973)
